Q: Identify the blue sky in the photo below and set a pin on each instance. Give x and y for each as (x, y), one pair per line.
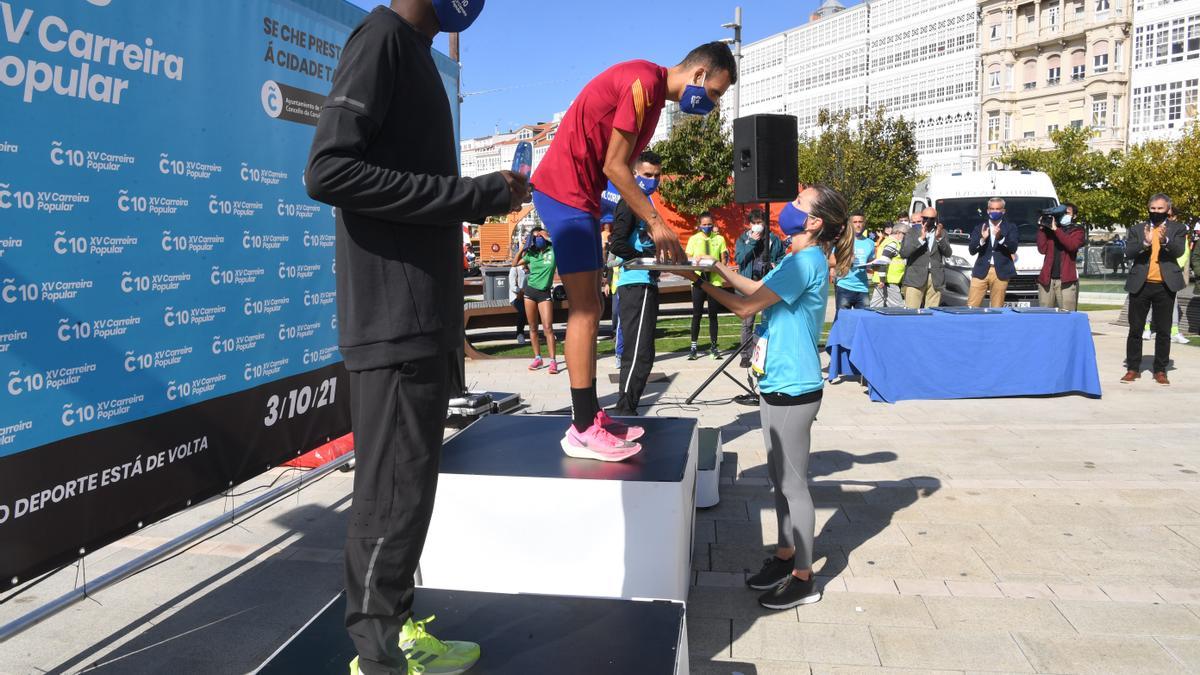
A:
(542, 53)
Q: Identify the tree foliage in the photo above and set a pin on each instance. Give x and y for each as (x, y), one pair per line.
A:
(1112, 188)
(698, 164)
(869, 157)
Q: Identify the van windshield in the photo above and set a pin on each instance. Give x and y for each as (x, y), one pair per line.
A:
(962, 216)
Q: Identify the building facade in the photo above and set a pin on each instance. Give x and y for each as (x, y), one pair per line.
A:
(1166, 68)
(916, 58)
(1050, 64)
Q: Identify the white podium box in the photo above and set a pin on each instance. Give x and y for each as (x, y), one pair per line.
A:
(513, 514)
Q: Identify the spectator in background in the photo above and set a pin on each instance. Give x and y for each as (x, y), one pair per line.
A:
(994, 243)
(756, 252)
(637, 289)
(516, 294)
(1154, 248)
(924, 249)
(611, 276)
(539, 256)
(887, 290)
(851, 289)
(1059, 241)
(706, 244)
(1196, 257)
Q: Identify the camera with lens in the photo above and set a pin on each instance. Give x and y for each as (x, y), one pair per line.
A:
(1052, 215)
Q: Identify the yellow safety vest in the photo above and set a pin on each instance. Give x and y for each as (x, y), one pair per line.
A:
(895, 270)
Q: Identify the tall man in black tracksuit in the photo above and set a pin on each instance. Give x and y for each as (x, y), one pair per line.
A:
(384, 155)
(637, 290)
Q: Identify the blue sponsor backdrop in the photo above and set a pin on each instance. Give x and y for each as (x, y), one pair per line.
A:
(157, 247)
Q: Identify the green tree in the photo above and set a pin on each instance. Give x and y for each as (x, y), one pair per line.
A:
(1171, 167)
(1082, 176)
(698, 160)
(869, 157)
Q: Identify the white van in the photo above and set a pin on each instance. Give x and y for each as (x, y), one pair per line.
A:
(961, 202)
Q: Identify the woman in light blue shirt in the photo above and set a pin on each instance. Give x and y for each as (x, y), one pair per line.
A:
(792, 298)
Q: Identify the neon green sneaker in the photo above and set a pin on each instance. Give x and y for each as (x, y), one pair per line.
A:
(428, 655)
(433, 656)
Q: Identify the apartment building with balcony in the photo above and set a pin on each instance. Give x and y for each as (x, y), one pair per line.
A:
(1050, 64)
(1165, 82)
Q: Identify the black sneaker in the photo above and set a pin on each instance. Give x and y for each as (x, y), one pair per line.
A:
(773, 571)
(716, 353)
(793, 592)
(693, 354)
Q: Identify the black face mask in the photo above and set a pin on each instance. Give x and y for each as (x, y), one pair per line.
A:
(1158, 218)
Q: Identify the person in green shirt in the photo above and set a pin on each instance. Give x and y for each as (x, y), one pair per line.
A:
(706, 244)
(539, 257)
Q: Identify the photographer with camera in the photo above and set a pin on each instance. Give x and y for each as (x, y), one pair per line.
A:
(1059, 239)
(756, 252)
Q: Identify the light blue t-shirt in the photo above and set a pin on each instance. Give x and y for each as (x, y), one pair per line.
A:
(856, 279)
(793, 325)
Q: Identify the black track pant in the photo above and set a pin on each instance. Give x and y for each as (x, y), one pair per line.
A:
(1157, 301)
(698, 298)
(639, 314)
(398, 417)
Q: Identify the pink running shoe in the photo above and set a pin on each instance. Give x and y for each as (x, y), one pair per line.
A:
(554, 367)
(596, 443)
(536, 363)
(625, 432)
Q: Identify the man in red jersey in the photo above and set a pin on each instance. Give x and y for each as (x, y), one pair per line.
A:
(604, 130)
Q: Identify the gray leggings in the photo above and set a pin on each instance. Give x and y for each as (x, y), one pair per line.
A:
(787, 430)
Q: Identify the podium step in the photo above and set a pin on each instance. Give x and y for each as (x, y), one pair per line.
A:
(517, 635)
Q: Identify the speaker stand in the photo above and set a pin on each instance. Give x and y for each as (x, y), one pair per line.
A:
(720, 370)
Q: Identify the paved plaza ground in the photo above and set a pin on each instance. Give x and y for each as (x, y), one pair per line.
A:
(1057, 535)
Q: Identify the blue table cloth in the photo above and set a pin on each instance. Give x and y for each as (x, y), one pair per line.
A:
(945, 356)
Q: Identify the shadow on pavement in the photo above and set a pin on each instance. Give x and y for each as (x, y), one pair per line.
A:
(235, 626)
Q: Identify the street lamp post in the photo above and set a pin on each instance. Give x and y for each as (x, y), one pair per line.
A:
(737, 54)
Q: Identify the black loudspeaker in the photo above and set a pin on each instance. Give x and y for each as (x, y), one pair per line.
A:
(764, 158)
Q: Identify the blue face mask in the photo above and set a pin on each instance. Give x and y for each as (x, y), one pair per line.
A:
(695, 99)
(648, 185)
(706, 229)
(1066, 219)
(539, 242)
(995, 215)
(792, 220)
(455, 16)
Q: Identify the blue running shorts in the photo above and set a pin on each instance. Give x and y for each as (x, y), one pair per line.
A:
(574, 234)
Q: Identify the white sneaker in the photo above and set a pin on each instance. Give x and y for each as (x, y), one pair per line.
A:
(1147, 335)
(1179, 339)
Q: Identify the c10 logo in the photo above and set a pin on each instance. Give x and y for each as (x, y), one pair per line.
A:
(64, 244)
(178, 391)
(136, 204)
(171, 167)
(223, 346)
(174, 243)
(132, 284)
(136, 362)
(223, 207)
(18, 199)
(14, 292)
(60, 155)
(19, 384)
(173, 317)
(72, 415)
(68, 331)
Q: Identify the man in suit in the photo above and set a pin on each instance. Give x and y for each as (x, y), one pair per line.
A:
(1153, 249)
(994, 243)
(924, 248)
